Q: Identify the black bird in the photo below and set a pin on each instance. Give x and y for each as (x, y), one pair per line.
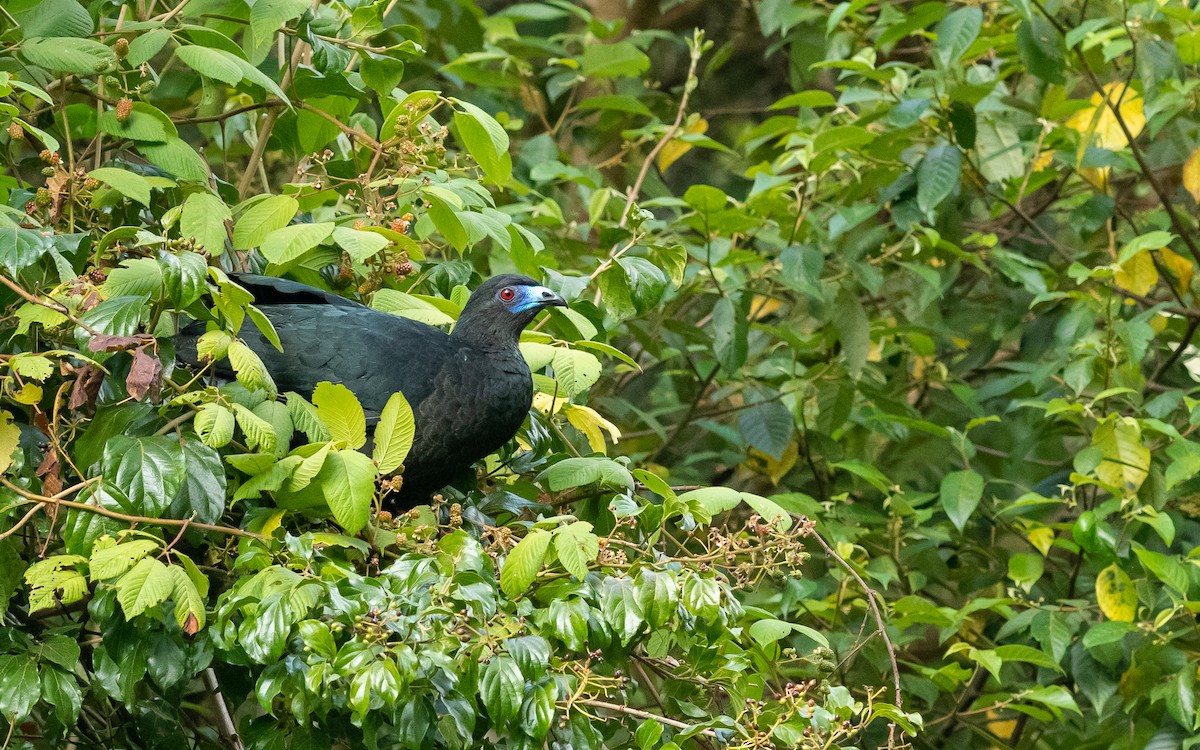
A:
(469, 389)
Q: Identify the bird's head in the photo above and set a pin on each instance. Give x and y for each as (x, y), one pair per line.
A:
(501, 307)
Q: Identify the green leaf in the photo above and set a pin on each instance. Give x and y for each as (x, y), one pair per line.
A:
(54, 581)
(767, 426)
(341, 413)
(60, 690)
(263, 217)
(147, 45)
(575, 370)
(409, 306)
(249, 368)
(394, 434)
(621, 59)
(576, 547)
(53, 18)
(84, 57)
(184, 274)
(960, 493)
(145, 122)
(501, 689)
(730, 331)
(1165, 568)
(189, 604)
(110, 562)
(259, 432)
(620, 607)
(359, 245)
(658, 596)
(485, 139)
(447, 222)
(285, 245)
(768, 631)
(1026, 654)
(211, 63)
(147, 585)
(648, 733)
(523, 562)
(132, 186)
(348, 480)
(146, 472)
(19, 687)
(938, 174)
(702, 597)
(178, 157)
(135, 276)
(537, 711)
(854, 331)
(304, 417)
(955, 34)
(576, 472)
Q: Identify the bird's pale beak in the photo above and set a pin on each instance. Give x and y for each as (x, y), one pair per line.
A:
(537, 297)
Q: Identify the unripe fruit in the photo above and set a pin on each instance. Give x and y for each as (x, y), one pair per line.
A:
(124, 108)
(15, 131)
(121, 47)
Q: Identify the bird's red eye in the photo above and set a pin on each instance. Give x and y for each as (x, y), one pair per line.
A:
(507, 294)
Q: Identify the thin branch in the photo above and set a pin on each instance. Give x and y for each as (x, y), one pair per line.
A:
(640, 714)
(688, 86)
(881, 628)
(1184, 342)
(24, 520)
(13, 285)
(264, 132)
(171, 522)
(225, 723)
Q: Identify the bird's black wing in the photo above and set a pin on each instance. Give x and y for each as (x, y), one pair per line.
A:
(271, 290)
(374, 354)
(326, 337)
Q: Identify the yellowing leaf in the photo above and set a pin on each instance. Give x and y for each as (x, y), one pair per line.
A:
(1126, 460)
(1115, 594)
(1098, 120)
(1179, 266)
(1097, 176)
(1042, 538)
(676, 148)
(546, 403)
(1043, 161)
(588, 421)
(1138, 274)
(1191, 175)
(763, 306)
(10, 436)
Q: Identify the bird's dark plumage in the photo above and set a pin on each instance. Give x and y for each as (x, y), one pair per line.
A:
(469, 390)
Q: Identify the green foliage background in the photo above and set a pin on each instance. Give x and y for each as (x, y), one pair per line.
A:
(881, 315)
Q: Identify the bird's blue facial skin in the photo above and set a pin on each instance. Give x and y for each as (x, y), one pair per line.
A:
(529, 298)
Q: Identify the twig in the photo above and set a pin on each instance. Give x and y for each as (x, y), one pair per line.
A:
(881, 627)
(688, 86)
(171, 522)
(225, 723)
(264, 133)
(24, 520)
(1184, 342)
(349, 131)
(640, 714)
(13, 285)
